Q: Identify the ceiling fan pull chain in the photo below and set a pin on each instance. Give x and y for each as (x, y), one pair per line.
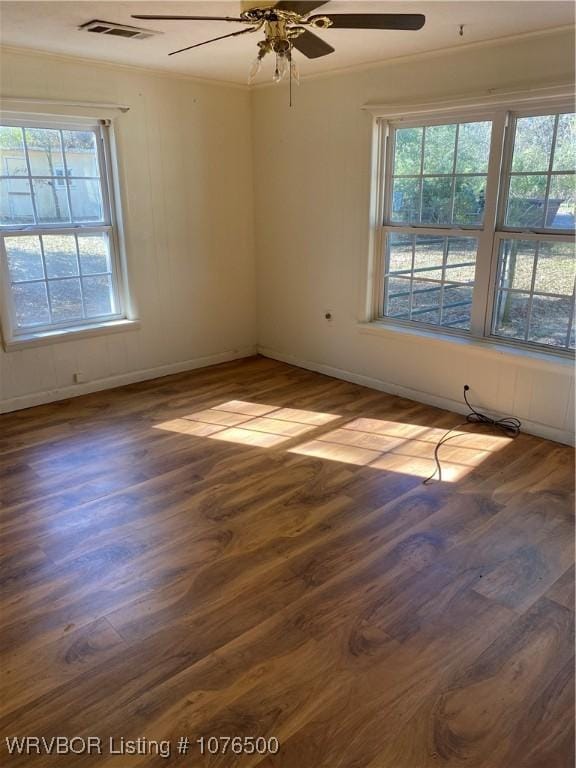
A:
(290, 80)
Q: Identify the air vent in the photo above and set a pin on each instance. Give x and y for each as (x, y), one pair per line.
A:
(117, 30)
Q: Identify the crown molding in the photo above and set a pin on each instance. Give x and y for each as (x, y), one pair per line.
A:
(125, 67)
(360, 67)
(425, 55)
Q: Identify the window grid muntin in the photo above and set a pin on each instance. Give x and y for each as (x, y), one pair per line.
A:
(106, 226)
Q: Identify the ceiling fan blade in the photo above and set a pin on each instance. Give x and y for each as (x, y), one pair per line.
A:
(186, 18)
(303, 7)
(374, 20)
(213, 40)
(311, 45)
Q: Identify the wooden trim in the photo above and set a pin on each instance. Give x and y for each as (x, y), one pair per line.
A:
(550, 96)
(532, 427)
(111, 382)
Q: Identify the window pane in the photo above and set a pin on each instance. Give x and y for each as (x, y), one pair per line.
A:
(31, 304)
(24, 258)
(81, 153)
(398, 286)
(457, 307)
(65, 299)
(461, 260)
(561, 202)
(86, 200)
(511, 315)
(98, 297)
(429, 257)
(94, 254)
(408, 152)
(436, 200)
(526, 201)
(432, 317)
(406, 201)
(556, 268)
(439, 145)
(44, 151)
(60, 255)
(565, 151)
(473, 147)
(12, 157)
(464, 273)
(425, 296)
(469, 200)
(549, 318)
(15, 202)
(517, 264)
(533, 143)
(398, 298)
(400, 253)
(51, 201)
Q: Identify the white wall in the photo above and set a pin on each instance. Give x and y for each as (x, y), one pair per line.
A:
(312, 186)
(186, 161)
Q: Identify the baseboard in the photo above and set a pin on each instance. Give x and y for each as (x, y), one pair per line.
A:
(532, 427)
(63, 393)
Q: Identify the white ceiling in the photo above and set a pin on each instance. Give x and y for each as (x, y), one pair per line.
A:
(53, 26)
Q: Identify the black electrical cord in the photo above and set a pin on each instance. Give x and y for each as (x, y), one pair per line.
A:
(510, 425)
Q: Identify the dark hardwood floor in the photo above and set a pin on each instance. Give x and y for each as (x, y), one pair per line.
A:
(248, 550)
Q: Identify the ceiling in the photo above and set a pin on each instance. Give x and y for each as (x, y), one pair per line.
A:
(53, 27)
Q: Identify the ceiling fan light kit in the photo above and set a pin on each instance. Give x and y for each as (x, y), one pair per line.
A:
(287, 26)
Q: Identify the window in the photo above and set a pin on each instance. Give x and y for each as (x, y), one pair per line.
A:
(478, 221)
(58, 237)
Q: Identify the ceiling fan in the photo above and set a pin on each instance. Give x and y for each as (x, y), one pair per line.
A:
(287, 25)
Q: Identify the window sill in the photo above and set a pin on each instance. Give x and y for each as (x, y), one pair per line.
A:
(69, 334)
(489, 347)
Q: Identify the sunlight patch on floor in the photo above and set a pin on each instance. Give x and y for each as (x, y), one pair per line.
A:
(407, 448)
(245, 423)
(377, 443)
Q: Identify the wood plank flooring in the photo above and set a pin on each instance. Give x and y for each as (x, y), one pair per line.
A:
(248, 550)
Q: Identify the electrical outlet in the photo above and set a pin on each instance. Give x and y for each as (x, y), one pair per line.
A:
(79, 377)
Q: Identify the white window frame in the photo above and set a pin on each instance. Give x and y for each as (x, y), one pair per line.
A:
(14, 336)
(502, 110)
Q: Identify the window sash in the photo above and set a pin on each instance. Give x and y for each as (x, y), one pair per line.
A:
(441, 284)
(102, 155)
(422, 176)
(107, 225)
(507, 174)
(59, 324)
(489, 235)
(499, 236)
